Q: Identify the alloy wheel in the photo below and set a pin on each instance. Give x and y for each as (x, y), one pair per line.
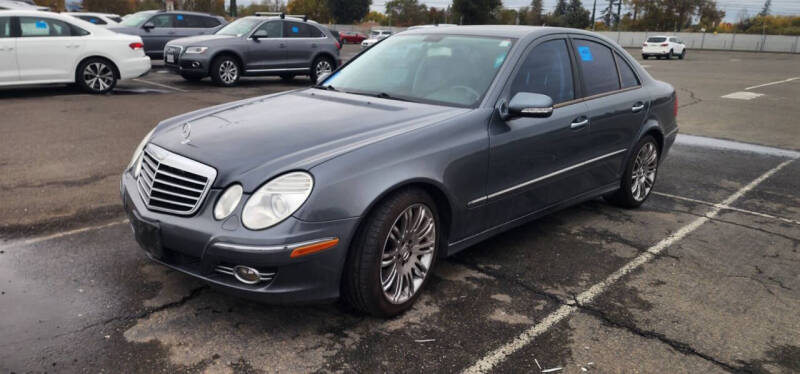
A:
(323, 67)
(643, 176)
(228, 72)
(408, 253)
(98, 76)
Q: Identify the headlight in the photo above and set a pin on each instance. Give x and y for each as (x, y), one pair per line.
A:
(277, 200)
(196, 50)
(228, 201)
(137, 154)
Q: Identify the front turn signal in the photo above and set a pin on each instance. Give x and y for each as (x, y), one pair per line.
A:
(314, 248)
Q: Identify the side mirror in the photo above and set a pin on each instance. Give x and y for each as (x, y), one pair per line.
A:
(322, 78)
(148, 26)
(526, 104)
(260, 34)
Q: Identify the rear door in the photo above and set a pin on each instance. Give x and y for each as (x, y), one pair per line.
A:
(268, 51)
(617, 105)
(302, 43)
(536, 162)
(48, 49)
(193, 24)
(8, 52)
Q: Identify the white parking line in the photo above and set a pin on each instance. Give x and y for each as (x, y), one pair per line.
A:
(764, 215)
(500, 354)
(159, 85)
(742, 95)
(772, 83)
(706, 142)
(61, 234)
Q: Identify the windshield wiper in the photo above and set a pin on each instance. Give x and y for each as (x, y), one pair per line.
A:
(382, 95)
(327, 88)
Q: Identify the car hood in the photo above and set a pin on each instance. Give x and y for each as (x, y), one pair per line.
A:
(253, 140)
(205, 40)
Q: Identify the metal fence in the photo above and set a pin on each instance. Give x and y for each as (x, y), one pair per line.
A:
(693, 40)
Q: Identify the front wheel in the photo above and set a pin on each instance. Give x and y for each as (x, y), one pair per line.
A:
(682, 55)
(96, 76)
(393, 255)
(321, 65)
(639, 177)
(225, 71)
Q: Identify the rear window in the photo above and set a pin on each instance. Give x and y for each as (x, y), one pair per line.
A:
(116, 19)
(295, 30)
(627, 76)
(598, 66)
(92, 19)
(314, 32)
(656, 40)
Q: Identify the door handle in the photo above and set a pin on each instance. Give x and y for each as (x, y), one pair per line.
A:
(579, 124)
(637, 107)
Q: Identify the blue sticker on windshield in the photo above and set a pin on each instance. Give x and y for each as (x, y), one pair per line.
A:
(499, 61)
(295, 29)
(585, 52)
(93, 20)
(41, 24)
(180, 17)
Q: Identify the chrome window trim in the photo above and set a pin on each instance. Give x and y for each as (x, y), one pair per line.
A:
(542, 178)
(250, 36)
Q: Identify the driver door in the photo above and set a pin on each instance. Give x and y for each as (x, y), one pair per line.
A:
(157, 37)
(534, 163)
(8, 53)
(267, 51)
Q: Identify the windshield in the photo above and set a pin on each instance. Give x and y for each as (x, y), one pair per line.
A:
(239, 27)
(136, 19)
(439, 69)
(656, 40)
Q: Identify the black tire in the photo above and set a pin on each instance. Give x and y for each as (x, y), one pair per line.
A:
(314, 75)
(225, 71)
(645, 57)
(192, 77)
(361, 283)
(624, 196)
(103, 70)
(669, 56)
(683, 54)
(287, 77)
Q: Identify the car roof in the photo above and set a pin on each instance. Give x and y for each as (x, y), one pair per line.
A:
(90, 14)
(502, 31)
(286, 18)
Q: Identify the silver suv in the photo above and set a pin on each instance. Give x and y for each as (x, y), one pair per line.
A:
(268, 44)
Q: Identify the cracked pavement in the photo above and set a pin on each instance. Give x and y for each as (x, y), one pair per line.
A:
(724, 298)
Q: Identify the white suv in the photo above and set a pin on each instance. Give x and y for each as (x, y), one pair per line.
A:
(663, 46)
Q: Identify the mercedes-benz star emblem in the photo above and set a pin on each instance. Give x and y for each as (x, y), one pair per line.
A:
(186, 131)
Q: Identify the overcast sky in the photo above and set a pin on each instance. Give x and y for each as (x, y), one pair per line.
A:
(732, 8)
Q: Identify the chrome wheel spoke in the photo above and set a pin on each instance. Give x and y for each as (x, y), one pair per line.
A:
(408, 253)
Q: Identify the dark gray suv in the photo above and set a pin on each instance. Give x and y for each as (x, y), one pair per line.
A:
(157, 27)
(257, 45)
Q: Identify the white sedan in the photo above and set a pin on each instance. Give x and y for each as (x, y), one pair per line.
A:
(374, 37)
(43, 47)
(99, 19)
(663, 46)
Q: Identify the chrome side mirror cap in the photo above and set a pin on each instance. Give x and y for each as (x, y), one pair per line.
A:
(527, 104)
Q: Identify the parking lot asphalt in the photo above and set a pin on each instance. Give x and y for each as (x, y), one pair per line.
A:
(704, 277)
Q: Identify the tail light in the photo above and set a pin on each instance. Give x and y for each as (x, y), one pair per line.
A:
(338, 45)
(136, 45)
(675, 108)
(665, 44)
(644, 44)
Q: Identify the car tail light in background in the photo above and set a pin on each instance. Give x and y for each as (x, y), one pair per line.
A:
(675, 108)
(644, 44)
(136, 45)
(665, 44)
(338, 45)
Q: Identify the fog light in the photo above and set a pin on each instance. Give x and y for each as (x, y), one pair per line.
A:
(246, 274)
(195, 64)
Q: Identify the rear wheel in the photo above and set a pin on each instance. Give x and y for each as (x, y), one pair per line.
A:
(639, 177)
(225, 71)
(321, 66)
(393, 255)
(96, 76)
(645, 57)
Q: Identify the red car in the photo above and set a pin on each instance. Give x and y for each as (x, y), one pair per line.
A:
(352, 37)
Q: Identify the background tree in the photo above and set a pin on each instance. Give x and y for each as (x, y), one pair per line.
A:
(110, 6)
(576, 15)
(475, 12)
(765, 10)
(206, 6)
(506, 16)
(314, 9)
(406, 13)
(232, 8)
(55, 5)
(376, 17)
(348, 11)
(536, 15)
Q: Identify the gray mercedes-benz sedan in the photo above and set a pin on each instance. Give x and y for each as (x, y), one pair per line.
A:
(427, 143)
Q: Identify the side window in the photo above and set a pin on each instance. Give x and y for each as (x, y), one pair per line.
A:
(273, 29)
(295, 30)
(41, 27)
(209, 22)
(597, 63)
(626, 73)
(314, 32)
(547, 70)
(95, 20)
(5, 27)
(163, 20)
(188, 21)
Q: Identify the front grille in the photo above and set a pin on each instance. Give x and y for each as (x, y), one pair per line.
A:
(172, 183)
(175, 52)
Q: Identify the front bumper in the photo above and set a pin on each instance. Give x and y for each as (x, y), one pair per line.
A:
(198, 244)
